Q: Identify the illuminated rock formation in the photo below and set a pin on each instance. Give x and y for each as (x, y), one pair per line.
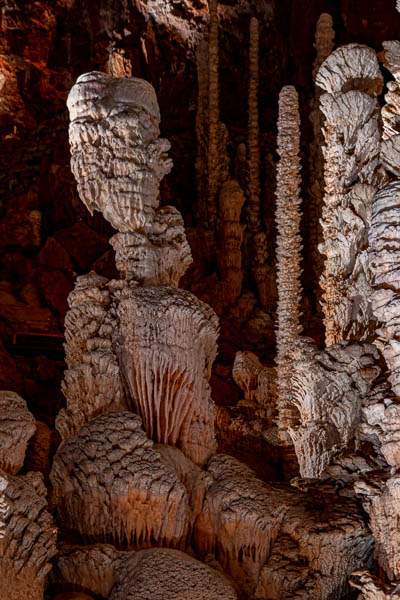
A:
(146, 575)
(117, 158)
(114, 126)
(17, 426)
(329, 389)
(27, 536)
(166, 349)
(110, 485)
(384, 237)
(351, 78)
(92, 384)
(390, 148)
(266, 535)
(372, 588)
(381, 500)
(288, 249)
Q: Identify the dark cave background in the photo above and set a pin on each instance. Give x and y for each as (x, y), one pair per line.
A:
(44, 46)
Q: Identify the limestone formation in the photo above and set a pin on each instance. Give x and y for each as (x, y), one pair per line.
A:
(381, 500)
(351, 78)
(324, 35)
(166, 350)
(263, 533)
(17, 426)
(117, 158)
(35, 217)
(230, 238)
(384, 240)
(160, 573)
(372, 588)
(92, 384)
(159, 258)
(329, 389)
(258, 384)
(390, 149)
(110, 485)
(212, 160)
(27, 536)
(288, 248)
(253, 141)
(152, 574)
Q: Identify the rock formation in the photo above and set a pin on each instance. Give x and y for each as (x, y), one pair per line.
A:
(351, 78)
(148, 574)
(324, 45)
(390, 147)
(230, 238)
(288, 248)
(329, 390)
(17, 426)
(141, 324)
(265, 535)
(166, 349)
(384, 234)
(27, 536)
(110, 485)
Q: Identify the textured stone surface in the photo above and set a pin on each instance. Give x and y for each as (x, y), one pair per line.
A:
(110, 485)
(17, 426)
(27, 536)
(351, 78)
(250, 524)
(166, 349)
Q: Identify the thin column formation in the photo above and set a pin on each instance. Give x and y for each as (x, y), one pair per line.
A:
(288, 250)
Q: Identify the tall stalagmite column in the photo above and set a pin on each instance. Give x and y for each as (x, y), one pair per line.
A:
(213, 113)
(257, 236)
(288, 248)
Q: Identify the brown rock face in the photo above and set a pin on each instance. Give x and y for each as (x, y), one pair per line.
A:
(265, 535)
(109, 484)
(17, 425)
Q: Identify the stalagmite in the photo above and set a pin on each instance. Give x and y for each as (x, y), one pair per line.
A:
(138, 316)
(213, 114)
(110, 485)
(250, 524)
(230, 238)
(253, 140)
(27, 537)
(288, 249)
(324, 45)
(17, 426)
(212, 159)
(166, 350)
(351, 78)
(92, 384)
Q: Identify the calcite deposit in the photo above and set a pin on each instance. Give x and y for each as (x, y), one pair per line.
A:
(194, 443)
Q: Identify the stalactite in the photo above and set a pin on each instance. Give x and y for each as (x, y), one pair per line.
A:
(351, 78)
(288, 249)
(324, 45)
